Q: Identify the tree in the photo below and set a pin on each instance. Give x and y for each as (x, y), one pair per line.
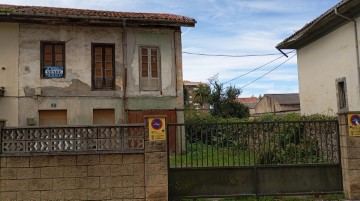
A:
(224, 102)
(186, 95)
(202, 94)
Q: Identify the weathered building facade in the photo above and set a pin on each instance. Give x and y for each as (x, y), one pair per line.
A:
(278, 103)
(77, 67)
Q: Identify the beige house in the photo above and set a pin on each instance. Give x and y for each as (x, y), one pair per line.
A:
(278, 103)
(77, 67)
(328, 60)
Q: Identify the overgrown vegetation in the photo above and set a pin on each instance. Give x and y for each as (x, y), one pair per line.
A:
(268, 139)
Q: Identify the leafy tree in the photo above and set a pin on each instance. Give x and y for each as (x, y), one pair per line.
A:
(202, 94)
(224, 102)
(186, 95)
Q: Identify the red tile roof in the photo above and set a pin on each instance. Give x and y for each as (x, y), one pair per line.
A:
(247, 100)
(49, 12)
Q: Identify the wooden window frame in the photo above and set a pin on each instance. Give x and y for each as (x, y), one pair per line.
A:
(149, 67)
(102, 45)
(42, 49)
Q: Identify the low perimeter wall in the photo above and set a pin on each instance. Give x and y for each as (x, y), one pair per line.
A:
(105, 176)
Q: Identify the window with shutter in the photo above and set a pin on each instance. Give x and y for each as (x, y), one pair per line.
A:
(52, 59)
(103, 65)
(150, 69)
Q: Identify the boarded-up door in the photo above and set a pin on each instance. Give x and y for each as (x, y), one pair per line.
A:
(138, 117)
(52, 117)
(103, 116)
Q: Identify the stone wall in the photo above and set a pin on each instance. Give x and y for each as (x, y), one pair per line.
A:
(350, 160)
(86, 177)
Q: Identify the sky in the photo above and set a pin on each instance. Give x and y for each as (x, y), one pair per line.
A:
(226, 27)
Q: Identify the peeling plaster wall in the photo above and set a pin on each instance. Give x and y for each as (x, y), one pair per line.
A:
(73, 92)
(9, 55)
(78, 40)
(320, 64)
(164, 39)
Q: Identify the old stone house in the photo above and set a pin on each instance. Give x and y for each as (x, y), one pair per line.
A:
(62, 66)
(278, 103)
(328, 60)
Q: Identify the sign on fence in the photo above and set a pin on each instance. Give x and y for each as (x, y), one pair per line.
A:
(157, 129)
(354, 124)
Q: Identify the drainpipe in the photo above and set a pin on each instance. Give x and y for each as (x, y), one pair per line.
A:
(356, 42)
(124, 39)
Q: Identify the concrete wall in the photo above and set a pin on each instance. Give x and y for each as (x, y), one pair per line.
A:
(9, 55)
(267, 104)
(140, 176)
(74, 91)
(320, 64)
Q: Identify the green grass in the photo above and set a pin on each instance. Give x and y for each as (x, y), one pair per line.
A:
(201, 155)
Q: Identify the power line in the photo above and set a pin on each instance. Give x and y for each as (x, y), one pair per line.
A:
(267, 72)
(256, 68)
(229, 55)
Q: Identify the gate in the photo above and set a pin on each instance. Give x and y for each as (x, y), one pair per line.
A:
(254, 158)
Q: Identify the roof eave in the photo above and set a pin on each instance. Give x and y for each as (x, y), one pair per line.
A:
(322, 26)
(91, 20)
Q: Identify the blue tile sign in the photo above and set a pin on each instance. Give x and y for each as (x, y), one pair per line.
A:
(53, 72)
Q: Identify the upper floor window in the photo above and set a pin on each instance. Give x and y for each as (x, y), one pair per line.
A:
(103, 66)
(150, 68)
(52, 59)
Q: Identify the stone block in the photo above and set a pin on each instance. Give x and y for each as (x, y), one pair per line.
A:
(88, 160)
(2, 161)
(133, 158)
(29, 195)
(119, 193)
(43, 161)
(156, 168)
(99, 170)
(155, 158)
(128, 181)
(17, 162)
(2, 185)
(125, 169)
(98, 194)
(352, 153)
(155, 146)
(8, 196)
(156, 193)
(88, 182)
(110, 182)
(343, 120)
(7, 173)
(139, 192)
(16, 185)
(156, 180)
(40, 184)
(52, 172)
(111, 159)
(353, 142)
(64, 183)
(139, 180)
(28, 173)
(139, 169)
(66, 160)
(354, 164)
(75, 171)
(78, 194)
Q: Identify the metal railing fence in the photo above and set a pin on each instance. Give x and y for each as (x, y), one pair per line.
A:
(254, 143)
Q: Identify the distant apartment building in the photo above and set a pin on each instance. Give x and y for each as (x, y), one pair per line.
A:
(191, 88)
(249, 102)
